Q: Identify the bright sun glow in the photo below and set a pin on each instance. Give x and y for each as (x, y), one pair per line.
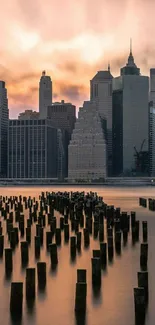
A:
(26, 40)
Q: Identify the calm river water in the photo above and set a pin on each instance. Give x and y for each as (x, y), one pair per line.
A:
(115, 304)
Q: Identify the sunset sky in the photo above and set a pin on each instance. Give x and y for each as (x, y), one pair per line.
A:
(71, 40)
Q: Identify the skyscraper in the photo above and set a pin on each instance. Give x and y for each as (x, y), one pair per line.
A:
(45, 94)
(130, 121)
(87, 148)
(63, 116)
(152, 139)
(101, 94)
(4, 119)
(152, 86)
(33, 149)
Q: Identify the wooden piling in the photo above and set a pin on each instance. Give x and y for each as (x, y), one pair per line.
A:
(30, 284)
(16, 299)
(41, 272)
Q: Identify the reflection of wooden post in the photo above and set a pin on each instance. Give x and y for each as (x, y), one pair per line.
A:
(16, 298)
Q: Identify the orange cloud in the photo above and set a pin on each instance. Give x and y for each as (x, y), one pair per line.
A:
(71, 42)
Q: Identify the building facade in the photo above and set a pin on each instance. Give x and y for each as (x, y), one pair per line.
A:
(130, 121)
(4, 120)
(33, 149)
(152, 86)
(101, 94)
(45, 94)
(152, 140)
(63, 116)
(28, 115)
(87, 148)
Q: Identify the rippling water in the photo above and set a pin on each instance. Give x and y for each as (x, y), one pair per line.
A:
(115, 304)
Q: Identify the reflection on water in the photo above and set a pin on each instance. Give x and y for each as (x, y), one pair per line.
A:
(110, 304)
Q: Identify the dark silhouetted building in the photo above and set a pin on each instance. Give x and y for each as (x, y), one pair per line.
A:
(101, 94)
(45, 94)
(130, 121)
(63, 116)
(34, 149)
(4, 120)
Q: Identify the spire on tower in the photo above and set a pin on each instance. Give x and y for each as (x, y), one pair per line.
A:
(44, 73)
(130, 46)
(108, 66)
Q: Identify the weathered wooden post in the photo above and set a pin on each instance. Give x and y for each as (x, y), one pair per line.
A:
(16, 299)
(48, 239)
(1, 245)
(30, 284)
(24, 252)
(73, 246)
(86, 237)
(81, 292)
(140, 305)
(8, 260)
(58, 236)
(54, 254)
(41, 272)
(118, 241)
(143, 282)
(143, 255)
(103, 253)
(28, 235)
(96, 271)
(37, 246)
(145, 235)
(78, 238)
(110, 248)
(66, 232)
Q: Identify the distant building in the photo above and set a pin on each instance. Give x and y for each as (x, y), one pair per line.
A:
(34, 149)
(87, 148)
(152, 86)
(45, 94)
(4, 120)
(28, 115)
(130, 121)
(101, 94)
(63, 116)
(152, 140)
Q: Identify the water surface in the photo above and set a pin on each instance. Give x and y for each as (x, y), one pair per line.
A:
(115, 304)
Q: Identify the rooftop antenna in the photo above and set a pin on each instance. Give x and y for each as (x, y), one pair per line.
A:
(108, 66)
(44, 73)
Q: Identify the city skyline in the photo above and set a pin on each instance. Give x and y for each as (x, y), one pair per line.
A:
(78, 42)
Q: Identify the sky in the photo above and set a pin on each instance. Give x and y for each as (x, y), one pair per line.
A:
(71, 40)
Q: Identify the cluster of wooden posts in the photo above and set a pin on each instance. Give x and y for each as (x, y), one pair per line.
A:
(77, 211)
(150, 203)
